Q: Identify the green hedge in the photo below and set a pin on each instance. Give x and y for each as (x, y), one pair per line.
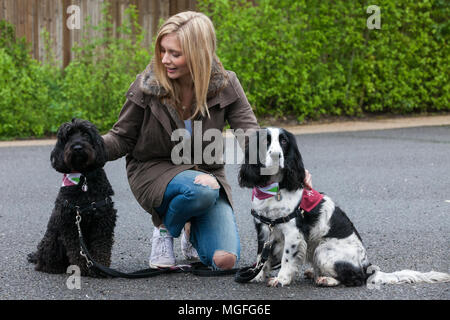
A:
(313, 58)
(23, 91)
(36, 98)
(300, 59)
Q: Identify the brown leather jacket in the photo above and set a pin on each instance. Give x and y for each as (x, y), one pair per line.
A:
(146, 122)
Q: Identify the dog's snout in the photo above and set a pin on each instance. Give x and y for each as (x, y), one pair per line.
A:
(275, 154)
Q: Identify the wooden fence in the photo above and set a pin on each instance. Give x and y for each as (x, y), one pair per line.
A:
(31, 17)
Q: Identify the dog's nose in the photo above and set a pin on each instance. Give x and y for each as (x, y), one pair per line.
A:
(77, 147)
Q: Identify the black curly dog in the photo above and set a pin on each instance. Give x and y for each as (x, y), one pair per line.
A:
(79, 148)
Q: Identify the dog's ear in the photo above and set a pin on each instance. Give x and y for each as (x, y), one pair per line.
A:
(98, 143)
(294, 171)
(248, 175)
(57, 154)
(250, 171)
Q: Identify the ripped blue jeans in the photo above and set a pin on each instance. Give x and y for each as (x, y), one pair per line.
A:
(213, 225)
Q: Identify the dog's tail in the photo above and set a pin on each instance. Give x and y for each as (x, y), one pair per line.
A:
(32, 257)
(406, 276)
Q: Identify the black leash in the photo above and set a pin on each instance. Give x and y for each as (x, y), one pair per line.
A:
(196, 268)
(249, 273)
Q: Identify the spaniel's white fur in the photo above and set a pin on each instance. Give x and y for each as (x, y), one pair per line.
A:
(324, 237)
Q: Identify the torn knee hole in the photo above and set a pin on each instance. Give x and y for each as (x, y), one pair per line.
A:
(207, 181)
(224, 260)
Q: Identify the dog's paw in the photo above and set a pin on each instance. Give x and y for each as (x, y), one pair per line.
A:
(309, 273)
(278, 282)
(274, 282)
(326, 282)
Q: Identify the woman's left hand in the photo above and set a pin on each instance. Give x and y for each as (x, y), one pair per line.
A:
(308, 180)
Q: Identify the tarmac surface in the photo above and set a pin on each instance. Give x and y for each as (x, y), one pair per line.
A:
(394, 184)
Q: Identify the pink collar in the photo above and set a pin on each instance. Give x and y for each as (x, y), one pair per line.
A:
(71, 179)
(310, 197)
(262, 193)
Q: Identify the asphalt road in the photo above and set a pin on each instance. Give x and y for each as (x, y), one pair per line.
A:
(393, 184)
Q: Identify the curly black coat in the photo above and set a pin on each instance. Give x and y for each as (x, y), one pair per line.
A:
(79, 148)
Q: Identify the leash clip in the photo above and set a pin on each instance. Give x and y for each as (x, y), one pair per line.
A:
(78, 220)
(89, 263)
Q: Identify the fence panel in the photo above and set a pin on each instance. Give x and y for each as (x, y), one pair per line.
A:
(31, 17)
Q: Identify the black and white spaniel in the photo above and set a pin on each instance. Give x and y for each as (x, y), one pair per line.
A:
(295, 225)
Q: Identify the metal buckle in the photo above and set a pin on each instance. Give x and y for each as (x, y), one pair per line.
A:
(89, 263)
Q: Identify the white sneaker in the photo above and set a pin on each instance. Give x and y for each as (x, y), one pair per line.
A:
(187, 248)
(162, 255)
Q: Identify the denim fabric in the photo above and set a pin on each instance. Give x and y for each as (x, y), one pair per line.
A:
(213, 225)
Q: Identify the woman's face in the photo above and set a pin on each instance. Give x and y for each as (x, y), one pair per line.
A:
(173, 59)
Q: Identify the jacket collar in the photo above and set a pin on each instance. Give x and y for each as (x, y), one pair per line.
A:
(150, 85)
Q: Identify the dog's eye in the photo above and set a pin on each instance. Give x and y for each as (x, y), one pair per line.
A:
(283, 141)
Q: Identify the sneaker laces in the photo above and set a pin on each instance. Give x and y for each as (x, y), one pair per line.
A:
(163, 243)
(162, 254)
(188, 249)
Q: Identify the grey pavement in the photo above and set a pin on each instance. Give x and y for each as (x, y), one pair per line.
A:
(393, 184)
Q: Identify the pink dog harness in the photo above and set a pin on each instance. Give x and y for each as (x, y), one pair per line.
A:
(310, 199)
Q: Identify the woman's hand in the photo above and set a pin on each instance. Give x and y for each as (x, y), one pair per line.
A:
(308, 180)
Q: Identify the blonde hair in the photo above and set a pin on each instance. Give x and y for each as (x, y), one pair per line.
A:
(197, 37)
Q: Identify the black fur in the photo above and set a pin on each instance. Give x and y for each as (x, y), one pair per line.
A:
(341, 226)
(309, 220)
(249, 173)
(79, 148)
(349, 275)
(293, 171)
